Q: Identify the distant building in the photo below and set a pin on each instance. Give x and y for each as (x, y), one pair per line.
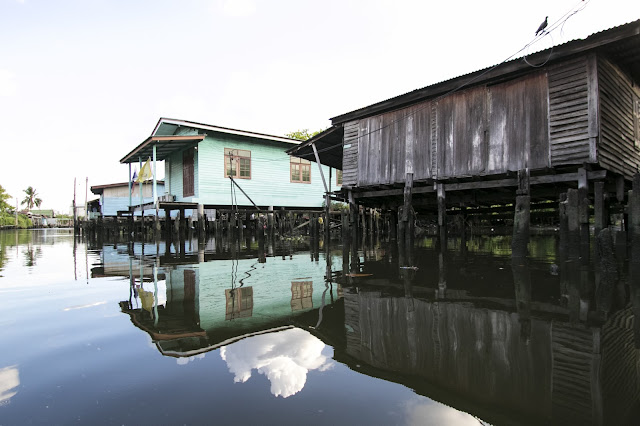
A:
(114, 197)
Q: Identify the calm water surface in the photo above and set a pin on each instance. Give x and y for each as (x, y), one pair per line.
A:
(291, 333)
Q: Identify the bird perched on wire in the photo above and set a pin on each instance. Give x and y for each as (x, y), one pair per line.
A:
(542, 26)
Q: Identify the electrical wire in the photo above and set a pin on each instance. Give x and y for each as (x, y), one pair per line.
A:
(558, 23)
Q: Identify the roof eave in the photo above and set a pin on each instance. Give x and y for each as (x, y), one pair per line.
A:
(130, 157)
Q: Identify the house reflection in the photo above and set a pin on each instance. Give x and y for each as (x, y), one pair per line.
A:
(239, 303)
(301, 295)
(509, 357)
(188, 306)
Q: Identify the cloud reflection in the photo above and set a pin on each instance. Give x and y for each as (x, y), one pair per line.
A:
(9, 381)
(284, 357)
(428, 412)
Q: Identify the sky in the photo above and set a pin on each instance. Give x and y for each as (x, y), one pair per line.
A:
(82, 82)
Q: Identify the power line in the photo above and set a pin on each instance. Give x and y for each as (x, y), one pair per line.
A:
(558, 23)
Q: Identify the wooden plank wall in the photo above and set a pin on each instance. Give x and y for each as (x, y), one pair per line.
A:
(475, 352)
(478, 131)
(619, 149)
(569, 112)
(518, 125)
(388, 141)
(350, 154)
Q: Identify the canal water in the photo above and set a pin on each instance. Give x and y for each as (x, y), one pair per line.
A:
(293, 332)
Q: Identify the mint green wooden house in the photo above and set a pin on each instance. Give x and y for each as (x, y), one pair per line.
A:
(200, 158)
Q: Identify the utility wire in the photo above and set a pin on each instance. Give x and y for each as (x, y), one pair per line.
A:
(558, 23)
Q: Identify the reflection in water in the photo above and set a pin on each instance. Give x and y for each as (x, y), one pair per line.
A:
(9, 381)
(419, 412)
(547, 339)
(284, 357)
(239, 303)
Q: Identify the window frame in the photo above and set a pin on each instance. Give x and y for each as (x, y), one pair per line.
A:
(338, 173)
(300, 163)
(236, 162)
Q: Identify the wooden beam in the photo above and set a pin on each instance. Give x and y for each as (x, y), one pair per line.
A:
(488, 184)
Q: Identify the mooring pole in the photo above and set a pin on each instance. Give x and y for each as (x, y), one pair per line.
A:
(327, 207)
(521, 219)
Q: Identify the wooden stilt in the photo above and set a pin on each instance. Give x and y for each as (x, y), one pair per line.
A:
(521, 218)
(601, 215)
(442, 214)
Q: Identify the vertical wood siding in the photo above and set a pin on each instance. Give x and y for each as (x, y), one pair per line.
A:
(618, 147)
(569, 112)
(482, 130)
(394, 144)
(350, 154)
(518, 125)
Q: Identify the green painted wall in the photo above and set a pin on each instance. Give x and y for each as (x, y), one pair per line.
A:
(271, 291)
(269, 185)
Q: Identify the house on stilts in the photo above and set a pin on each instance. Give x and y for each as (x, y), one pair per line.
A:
(560, 120)
(209, 169)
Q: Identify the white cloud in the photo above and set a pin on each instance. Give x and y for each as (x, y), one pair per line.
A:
(284, 358)
(9, 381)
(187, 360)
(421, 412)
(8, 85)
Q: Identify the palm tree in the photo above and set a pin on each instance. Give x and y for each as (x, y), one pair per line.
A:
(32, 198)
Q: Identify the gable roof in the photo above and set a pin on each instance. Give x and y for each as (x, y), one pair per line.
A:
(621, 43)
(167, 143)
(219, 129)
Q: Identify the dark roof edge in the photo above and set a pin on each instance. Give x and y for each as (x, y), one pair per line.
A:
(503, 69)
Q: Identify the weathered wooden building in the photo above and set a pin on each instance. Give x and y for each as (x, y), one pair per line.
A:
(561, 118)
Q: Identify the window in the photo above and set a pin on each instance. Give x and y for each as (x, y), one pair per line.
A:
(237, 163)
(339, 177)
(300, 170)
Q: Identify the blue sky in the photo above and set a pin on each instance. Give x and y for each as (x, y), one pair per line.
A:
(82, 82)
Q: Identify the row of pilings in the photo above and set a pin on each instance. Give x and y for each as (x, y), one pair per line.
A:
(572, 216)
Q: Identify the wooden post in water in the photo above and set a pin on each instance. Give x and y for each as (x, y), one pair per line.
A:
(442, 214)
(407, 212)
(601, 214)
(521, 218)
(393, 225)
(583, 212)
(176, 224)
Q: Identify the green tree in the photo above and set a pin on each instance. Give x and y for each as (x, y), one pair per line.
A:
(303, 134)
(4, 206)
(32, 198)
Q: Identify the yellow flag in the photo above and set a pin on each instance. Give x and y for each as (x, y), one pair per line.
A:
(145, 172)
